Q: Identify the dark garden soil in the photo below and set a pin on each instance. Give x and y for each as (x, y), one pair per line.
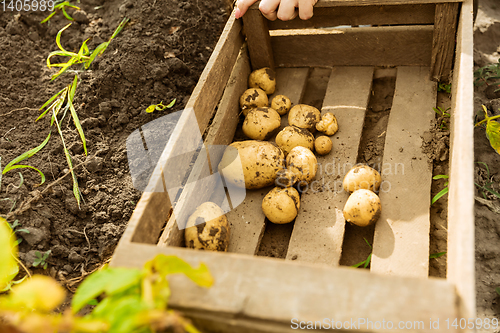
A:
(157, 57)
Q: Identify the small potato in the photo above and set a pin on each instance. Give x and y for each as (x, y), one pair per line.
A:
(281, 104)
(323, 145)
(207, 228)
(302, 162)
(293, 136)
(263, 78)
(304, 116)
(328, 124)
(362, 208)
(285, 178)
(253, 98)
(261, 123)
(281, 205)
(251, 164)
(362, 177)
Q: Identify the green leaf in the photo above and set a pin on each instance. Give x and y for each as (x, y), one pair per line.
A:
(440, 177)
(437, 255)
(66, 14)
(20, 166)
(74, 115)
(497, 289)
(51, 99)
(493, 134)
(109, 281)
(8, 250)
(48, 17)
(151, 108)
(58, 37)
(439, 195)
(368, 260)
(166, 265)
(124, 313)
(98, 51)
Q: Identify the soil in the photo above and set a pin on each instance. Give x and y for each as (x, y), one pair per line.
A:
(158, 56)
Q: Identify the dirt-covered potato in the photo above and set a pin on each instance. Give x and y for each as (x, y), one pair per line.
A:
(261, 123)
(253, 98)
(207, 228)
(256, 167)
(304, 116)
(293, 136)
(302, 162)
(328, 124)
(281, 104)
(323, 145)
(281, 205)
(362, 177)
(263, 78)
(285, 178)
(362, 208)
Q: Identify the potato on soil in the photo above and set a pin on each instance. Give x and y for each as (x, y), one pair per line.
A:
(362, 177)
(285, 178)
(304, 116)
(261, 123)
(207, 228)
(362, 208)
(281, 104)
(251, 164)
(323, 145)
(263, 78)
(253, 98)
(302, 162)
(293, 136)
(328, 124)
(281, 205)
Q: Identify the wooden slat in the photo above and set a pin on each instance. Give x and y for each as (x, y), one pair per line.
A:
(338, 3)
(271, 292)
(202, 184)
(247, 220)
(259, 43)
(460, 255)
(401, 240)
(319, 228)
(443, 43)
(361, 15)
(374, 46)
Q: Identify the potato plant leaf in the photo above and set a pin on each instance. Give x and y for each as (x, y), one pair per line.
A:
(166, 265)
(493, 134)
(32, 294)
(8, 263)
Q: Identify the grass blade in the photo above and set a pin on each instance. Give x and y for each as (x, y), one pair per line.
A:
(48, 17)
(78, 126)
(60, 100)
(119, 28)
(98, 51)
(66, 14)
(437, 255)
(20, 166)
(439, 195)
(367, 261)
(58, 37)
(51, 99)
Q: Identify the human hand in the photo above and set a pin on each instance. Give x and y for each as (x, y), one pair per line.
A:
(284, 10)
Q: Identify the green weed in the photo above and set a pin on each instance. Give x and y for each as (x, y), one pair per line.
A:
(444, 87)
(487, 186)
(41, 259)
(443, 191)
(160, 106)
(443, 114)
(437, 255)
(61, 7)
(365, 262)
(486, 73)
(16, 231)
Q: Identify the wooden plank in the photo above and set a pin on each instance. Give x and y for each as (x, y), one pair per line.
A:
(338, 3)
(247, 220)
(318, 232)
(202, 184)
(443, 43)
(271, 291)
(259, 42)
(460, 255)
(373, 46)
(361, 15)
(401, 239)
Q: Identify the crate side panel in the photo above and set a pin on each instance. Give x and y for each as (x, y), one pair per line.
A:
(401, 239)
(336, 3)
(374, 46)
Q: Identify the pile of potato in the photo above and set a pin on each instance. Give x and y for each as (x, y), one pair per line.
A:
(289, 163)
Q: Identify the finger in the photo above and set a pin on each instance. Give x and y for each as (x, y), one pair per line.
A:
(306, 9)
(269, 8)
(287, 10)
(242, 7)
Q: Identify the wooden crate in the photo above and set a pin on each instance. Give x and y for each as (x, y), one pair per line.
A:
(418, 41)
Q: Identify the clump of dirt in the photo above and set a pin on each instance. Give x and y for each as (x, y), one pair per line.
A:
(157, 57)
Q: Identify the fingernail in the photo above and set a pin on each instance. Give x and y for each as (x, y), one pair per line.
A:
(237, 13)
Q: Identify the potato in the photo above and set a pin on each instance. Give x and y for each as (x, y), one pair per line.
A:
(302, 162)
(281, 205)
(256, 167)
(323, 145)
(328, 124)
(281, 104)
(293, 136)
(285, 178)
(207, 228)
(253, 98)
(362, 208)
(261, 123)
(264, 79)
(304, 116)
(362, 177)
